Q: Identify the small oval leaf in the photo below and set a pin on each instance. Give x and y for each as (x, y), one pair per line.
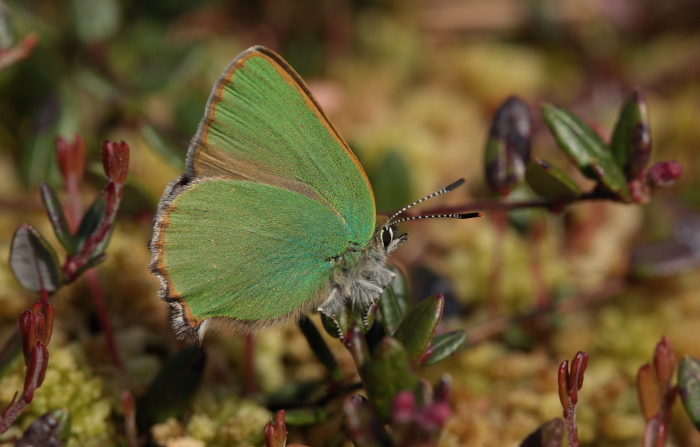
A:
(586, 148)
(689, 388)
(550, 182)
(443, 346)
(392, 309)
(631, 140)
(33, 260)
(90, 222)
(390, 371)
(507, 152)
(417, 329)
(58, 218)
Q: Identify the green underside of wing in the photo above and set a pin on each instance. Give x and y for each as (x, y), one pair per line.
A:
(248, 250)
(263, 127)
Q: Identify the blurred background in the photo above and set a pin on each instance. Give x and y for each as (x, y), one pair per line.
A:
(412, 86)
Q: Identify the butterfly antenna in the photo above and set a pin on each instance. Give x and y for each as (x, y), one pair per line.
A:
(444, 190)
(433, 216)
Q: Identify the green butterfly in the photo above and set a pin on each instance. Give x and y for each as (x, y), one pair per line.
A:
(274, 217)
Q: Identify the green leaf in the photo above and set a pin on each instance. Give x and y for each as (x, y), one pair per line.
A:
(631, 140)
(550, 182)
(58, 218)
(390, 371)
(689, 388)
(586, 148)
(321, 349)
(507, 150)
(33, 261)
(391, 182)
(443, 346)
(417, 329)
(357, 345)
(90, 222)
(393, 310)
(173, 388)
(550, 434)
(306, 416)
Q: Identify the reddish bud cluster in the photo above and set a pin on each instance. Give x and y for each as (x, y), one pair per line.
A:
(417, 425)
(656, 394)
(571, 381)
(115, 160)
(664, 173)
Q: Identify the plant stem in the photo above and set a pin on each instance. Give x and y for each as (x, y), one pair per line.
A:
(101, 306)
(571, 429)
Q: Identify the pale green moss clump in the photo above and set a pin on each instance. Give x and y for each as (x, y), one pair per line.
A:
(71, 385)
(219, 421)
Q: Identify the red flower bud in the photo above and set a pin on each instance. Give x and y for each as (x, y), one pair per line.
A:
(664, 173)
(115, 160)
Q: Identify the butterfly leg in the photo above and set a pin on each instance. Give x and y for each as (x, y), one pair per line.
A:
(330, 307)
(371, 310)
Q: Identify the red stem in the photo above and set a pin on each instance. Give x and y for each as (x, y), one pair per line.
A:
(571, 429)
(101, 306)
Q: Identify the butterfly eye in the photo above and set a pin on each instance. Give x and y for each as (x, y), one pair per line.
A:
(387, 236)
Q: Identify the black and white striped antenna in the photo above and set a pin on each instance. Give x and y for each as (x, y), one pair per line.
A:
(444, 190)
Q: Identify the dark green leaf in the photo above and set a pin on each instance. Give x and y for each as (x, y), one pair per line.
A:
(390, 371)
(52, 429)
(689, 388)
(172, 390)
(363, 424)
(58, 218)
(34, 261)
(550, 182)
(417, 329)
(393, 310)
(631, 140)
(320, 348)
(90, 222)
(391, 182)
(357, 345)
(550, 434)
(508, 146)
(443, 346)
(586, 148)
(306, 416)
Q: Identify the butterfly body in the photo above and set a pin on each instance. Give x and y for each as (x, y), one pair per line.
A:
(274, 217)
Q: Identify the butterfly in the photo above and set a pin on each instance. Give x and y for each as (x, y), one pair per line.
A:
(274, 217)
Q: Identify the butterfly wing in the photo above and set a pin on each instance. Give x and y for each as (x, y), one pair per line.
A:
(262, 124)
(257, 261)
(270, 196)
